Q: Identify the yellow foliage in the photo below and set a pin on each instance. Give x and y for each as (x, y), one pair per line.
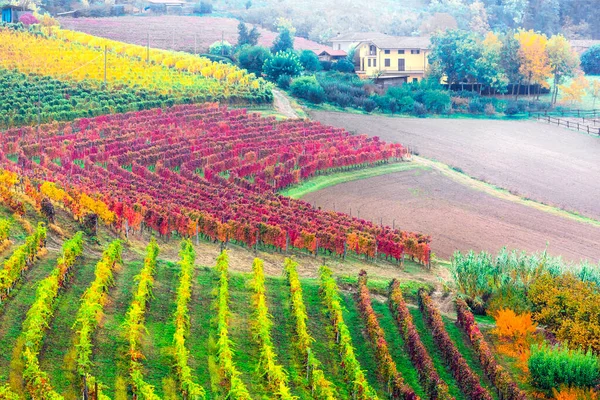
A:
(516, 333)
(534, 58)
(571, 393)
(574, 92)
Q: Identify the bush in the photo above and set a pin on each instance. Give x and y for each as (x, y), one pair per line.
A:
(511, 108)
(369, 105)
(310, 61)
(252, 58)
(308, 88)
(28, 19)
(284, 42)
(343, 66)
(476, 106)
(221, 48)
(590, 60)
(419, 109)
(283, 81)
(204, 7)
(490, 109)
(436, 101)
(282, 63)
(551, 367)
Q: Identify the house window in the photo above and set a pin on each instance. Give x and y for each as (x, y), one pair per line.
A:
(400, 51)
(369, 62)
(415, 79)
(415, 52)
(339, 46)
(374, 62)
(387, 51)
(387, 62)
(372, 50)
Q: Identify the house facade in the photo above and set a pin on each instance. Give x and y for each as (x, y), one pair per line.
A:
(393, 60)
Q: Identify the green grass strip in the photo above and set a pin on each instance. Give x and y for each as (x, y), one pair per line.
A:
(323, 181)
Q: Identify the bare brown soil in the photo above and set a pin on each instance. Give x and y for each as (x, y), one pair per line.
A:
(459, 217)
(173, 32)
(535, 160)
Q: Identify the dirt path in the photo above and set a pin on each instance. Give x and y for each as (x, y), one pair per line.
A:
(460, 217)
(546, 163)
(282, 104)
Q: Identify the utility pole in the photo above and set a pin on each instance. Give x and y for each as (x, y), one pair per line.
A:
(222, 42)
(148, 47)
(195, 43)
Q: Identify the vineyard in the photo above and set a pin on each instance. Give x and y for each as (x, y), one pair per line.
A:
(224, 333)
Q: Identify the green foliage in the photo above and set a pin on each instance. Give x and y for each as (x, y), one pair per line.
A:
(284, 81)
(344, 65)
(308, 88)
(245, 37)
(4, 230)
(282, 63)
(221, 48)
(590, 60)
(436, 101)
(310, 61)
(252, 58)
(284, 42)
(455, 52)
(551, 367)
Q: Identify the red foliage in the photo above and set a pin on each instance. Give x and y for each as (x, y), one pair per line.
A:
(387, 367)
(467, 380)
(497, 375)
(209, 170)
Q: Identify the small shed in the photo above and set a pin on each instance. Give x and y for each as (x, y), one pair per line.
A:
(11, 13)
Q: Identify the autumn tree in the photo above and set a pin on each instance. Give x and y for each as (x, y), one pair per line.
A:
(574, 92)
(535, 65)
(594, 91)
(489, 71)
(564, 62)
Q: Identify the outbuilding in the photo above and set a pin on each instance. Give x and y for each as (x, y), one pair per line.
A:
(12, 13)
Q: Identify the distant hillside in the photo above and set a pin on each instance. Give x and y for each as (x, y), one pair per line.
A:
(172, 32)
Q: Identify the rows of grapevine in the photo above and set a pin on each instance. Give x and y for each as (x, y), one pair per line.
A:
(32, 99)
(134, 323)
(65, 59)
(189, 388)
(430, 380)
(467, 379)
(90, 313)
(229, 375)
(165, 169)
(499, 377)
(354, 375)
(388, 372)
(275, 376)
(320, 387)
(21, 259)
(39, 316)
(5, 241)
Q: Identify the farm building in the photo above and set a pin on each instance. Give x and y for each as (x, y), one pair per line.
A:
(165, 6)
(349, 40)
(11, 13)
(330, 54)
(393, 60)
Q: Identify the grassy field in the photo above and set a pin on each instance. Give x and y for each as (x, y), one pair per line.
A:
(323, 181)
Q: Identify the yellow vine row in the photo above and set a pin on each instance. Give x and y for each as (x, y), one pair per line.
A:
(134, 323)
(321, 388)
(361, 390)
(39, 316)
(90, 313)
(191, 389)
(229, 375)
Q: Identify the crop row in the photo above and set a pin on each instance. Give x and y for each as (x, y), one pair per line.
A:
(4, 234)
(189, 388)
(321, 388)
(388, 372)
(90, 313)
(501, 379)
(467, 380)
(435, 388)
(353, 374)
(134, 323)
(39, 316)
(229, 375)
(152, 167)
(66, 59)
(274, 374)
(21, 259)
(32, 99)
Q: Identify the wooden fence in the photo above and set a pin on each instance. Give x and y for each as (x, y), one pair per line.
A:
(580, 126)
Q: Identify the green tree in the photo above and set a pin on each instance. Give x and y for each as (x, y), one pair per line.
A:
(309, 60)
(564, 62)
(283, 42)
(221, 48)
(510, 61)
(455, 53)
(590, 60)
(489, 70)
(308, 88)
(252, 58)
(282, 63)
(246, 37)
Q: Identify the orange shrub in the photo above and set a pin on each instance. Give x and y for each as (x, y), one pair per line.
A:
(516, 333)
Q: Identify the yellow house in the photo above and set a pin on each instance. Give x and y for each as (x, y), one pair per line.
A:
(393, 60)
